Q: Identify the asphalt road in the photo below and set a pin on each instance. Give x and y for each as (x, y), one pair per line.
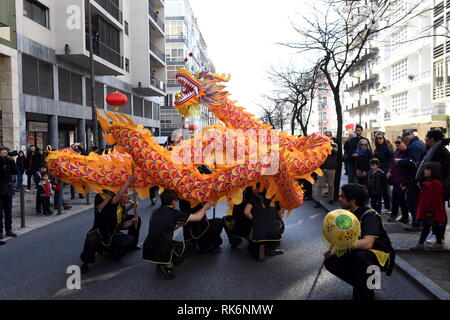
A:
(34, 266)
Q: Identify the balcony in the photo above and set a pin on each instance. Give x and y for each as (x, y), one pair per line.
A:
(176, 38)
(157, 83)
(112, 9)
(155, 16)
(157, 51)
(105, 52)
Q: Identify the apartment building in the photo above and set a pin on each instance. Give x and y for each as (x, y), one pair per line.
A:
(359, 105)
(9, 76)
(441, 59)
(323, 115)
(183, 37)
(404, 66)
(53, 65)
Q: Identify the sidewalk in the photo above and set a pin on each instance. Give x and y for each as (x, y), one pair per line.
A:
(429, 269)
(32, 221)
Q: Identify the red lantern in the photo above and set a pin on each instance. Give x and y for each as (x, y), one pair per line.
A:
(191, 54)
(186, 60)
(192, 127)
(116, 99)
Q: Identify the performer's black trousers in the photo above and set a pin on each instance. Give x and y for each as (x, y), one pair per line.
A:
(120, 243)
(212, 239)
(352, 268)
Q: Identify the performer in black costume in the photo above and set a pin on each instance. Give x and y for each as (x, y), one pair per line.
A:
(111, 217)
(267, 226)
(238, 226)
(159, 247)
(204, 234)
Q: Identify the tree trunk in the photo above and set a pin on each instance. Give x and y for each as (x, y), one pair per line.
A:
(337, 180)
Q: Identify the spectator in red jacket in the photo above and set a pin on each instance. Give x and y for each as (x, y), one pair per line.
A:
(45, 191)
(430, 209)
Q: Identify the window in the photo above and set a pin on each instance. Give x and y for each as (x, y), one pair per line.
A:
(36, 12)
(148, 109)
(37, 77)
(155, 111)
(99, 94)
(399, 71)
(126, 28)
(127, 65)
(138, 107)
(399, 103)
(70, 87)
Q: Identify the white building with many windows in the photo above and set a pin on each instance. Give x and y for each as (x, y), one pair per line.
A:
(405, 69)
(183, 37)
(53, 66)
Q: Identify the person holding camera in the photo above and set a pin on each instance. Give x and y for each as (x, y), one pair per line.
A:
(8, 172)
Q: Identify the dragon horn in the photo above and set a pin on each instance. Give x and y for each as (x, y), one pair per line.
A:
(222, 77)
(130, 121)
(111, 116)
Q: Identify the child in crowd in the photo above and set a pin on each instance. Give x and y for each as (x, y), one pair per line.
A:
(376, 182)
(45, 192)
(38, 178)
(57, 188)
(430, 207)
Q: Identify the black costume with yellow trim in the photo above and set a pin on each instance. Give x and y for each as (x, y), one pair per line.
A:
(267, 227)
(238, 226)
(205, 234)
(159, 247)
(352, 266)
(105, 235)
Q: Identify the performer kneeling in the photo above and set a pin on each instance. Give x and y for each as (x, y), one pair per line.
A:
(159, 247)
(372, 249)
(204, 234)
(111, 217)
(267, 226)
(238, 226)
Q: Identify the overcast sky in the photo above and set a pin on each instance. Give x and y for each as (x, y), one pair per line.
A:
(241, 36)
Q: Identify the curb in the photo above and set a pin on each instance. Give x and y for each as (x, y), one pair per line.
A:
(54, 219)
(410, 271)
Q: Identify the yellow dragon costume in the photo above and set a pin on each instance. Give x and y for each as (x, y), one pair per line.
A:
(136, 149)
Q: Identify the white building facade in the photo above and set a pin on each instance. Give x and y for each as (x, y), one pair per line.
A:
(183, 37)
(53, 66)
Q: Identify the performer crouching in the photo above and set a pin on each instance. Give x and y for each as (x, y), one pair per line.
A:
(159, 247)
(267, 226)
(111, 217)
(238, 226)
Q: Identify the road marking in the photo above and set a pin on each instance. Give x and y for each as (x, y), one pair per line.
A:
(314, 216)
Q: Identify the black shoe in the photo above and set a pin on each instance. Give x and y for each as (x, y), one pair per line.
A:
(48, 213)
(317, 205)
(81, 197)
(84, 268)
(39, 213)
(275, 252)
(236, 243)
(405, 221)
(11, 234)
(2, 243)
(136, 248)
(72, 198)
(1, 236)
(392, 219)
(168, 272)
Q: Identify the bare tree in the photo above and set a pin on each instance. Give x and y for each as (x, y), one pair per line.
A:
(274, 112)
(297, 90)
(338, 33)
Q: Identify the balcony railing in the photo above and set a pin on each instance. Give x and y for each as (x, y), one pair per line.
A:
(156, 50)
(438, 51)
(178, 37)
(156, 17)
(105, 52)
(112, 9)
(157, 83)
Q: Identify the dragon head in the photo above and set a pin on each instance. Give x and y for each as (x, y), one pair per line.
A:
(201, 88)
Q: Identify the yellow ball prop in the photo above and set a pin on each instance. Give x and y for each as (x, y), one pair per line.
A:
(340, 231)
